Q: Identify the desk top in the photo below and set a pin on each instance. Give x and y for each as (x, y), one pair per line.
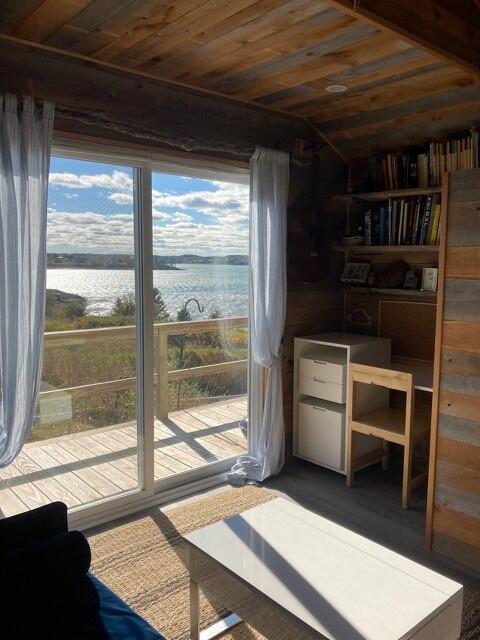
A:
(422, 371)
(339, 583)
(342, 339)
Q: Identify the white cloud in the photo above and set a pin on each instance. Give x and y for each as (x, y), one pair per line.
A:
(99, 233)
(176, 230)
(117, 180)
(71, 195)
(121, 198)
(226, 199)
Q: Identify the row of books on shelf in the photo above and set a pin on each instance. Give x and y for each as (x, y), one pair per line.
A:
(423, 168)
(404, 221)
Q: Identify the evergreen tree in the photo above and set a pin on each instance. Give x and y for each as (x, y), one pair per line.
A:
(124, 305)
(160, 311)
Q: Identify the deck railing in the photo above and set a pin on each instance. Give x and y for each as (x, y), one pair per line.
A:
(162, 376)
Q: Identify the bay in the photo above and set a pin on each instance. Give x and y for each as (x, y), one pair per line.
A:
(222, 288)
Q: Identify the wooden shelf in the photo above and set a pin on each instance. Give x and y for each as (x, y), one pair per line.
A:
(394, 248)
(389, 423)
(378, 196)
(407, 293)
(422, 371)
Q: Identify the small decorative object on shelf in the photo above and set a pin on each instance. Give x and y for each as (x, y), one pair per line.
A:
(429, 278)
(355, 273)
(411, 280)
(352, 241)
(392, 276)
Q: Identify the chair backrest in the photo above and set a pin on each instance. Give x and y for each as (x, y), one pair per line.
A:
(389, 378)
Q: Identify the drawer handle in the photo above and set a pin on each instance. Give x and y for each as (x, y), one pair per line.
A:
(319, 408)
(318, 380)
(320, 362)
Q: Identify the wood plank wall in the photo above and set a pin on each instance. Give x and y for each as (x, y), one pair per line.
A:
(314, 302)
(456, 509)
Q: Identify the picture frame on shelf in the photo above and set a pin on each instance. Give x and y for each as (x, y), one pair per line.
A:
(429, 279)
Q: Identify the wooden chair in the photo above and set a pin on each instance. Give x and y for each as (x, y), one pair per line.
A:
(403, 427)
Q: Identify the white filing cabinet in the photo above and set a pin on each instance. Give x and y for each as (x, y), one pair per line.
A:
(321, 392)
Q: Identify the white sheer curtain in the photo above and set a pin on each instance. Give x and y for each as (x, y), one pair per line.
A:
(25, 138)
(269, 173)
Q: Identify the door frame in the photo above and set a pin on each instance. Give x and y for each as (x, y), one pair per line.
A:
(149, 492)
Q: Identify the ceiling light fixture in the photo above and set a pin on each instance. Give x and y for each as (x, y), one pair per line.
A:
(336, 88)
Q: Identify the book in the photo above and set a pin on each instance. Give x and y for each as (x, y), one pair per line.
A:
(368, 227)
(423, 167)
(383, 224)
(425, 221)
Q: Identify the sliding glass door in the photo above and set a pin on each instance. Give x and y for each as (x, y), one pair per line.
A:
(147, 383)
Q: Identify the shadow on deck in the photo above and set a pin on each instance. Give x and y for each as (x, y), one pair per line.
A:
(88, 466)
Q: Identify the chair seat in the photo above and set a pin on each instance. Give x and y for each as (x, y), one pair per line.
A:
(389, 424)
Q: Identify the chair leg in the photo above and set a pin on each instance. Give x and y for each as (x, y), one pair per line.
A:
(386, 454)
(350, 458)
(407, 475)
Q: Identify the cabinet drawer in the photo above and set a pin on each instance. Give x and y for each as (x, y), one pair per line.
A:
(313, 367)
(323, 389)
(321, 434)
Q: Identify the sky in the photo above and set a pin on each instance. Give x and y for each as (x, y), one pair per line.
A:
(90, 210)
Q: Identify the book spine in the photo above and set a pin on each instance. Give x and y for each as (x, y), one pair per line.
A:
(368, 227)
(425, 221)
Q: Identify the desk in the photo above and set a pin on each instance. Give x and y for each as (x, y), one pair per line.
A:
(422, 371)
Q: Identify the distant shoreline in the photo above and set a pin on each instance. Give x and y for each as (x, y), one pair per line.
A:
(94, 268)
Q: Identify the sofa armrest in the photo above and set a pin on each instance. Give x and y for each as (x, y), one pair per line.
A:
(24, 528)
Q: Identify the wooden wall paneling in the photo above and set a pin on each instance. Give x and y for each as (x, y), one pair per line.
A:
(216, 56)
(453, 524)
(382, 70)
(316, 305)
(402, 88)
(437, 359)
(14, 11)
(423, 24)
(410, 326)
(49, 16)
(142, 107)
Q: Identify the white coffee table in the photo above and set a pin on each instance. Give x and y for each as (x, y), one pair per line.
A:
(293, 574)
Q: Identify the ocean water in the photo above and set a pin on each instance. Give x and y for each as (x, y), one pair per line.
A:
(217, 287)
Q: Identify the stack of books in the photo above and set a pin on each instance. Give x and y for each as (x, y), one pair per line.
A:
(404, 221)
(423, 167)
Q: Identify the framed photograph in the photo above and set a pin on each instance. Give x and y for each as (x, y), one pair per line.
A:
(355, 273)
(429, 278)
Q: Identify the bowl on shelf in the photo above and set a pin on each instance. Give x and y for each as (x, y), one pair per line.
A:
(352, 241)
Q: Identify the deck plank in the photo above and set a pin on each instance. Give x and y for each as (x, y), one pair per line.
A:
(10, 503)
(84, 467)
(84, 482)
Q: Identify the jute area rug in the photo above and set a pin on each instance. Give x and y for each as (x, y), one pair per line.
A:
(144, 561)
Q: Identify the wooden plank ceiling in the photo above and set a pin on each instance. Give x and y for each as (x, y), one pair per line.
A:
(403, 87)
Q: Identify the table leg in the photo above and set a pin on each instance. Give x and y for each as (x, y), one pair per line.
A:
(194, 611)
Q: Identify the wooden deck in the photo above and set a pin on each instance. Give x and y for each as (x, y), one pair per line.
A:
(85, 467)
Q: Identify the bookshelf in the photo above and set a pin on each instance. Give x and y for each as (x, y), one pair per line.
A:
(379, 196)
(388, 248)
(414, 294)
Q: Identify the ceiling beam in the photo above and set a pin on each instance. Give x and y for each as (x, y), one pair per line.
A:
(423, 23)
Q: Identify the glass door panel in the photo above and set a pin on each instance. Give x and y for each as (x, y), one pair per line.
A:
(200, 279)
(83, 445)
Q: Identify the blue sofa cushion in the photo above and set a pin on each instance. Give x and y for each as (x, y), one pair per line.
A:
(120, 621)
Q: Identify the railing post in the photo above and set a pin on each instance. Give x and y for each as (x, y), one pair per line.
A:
(161, 409)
